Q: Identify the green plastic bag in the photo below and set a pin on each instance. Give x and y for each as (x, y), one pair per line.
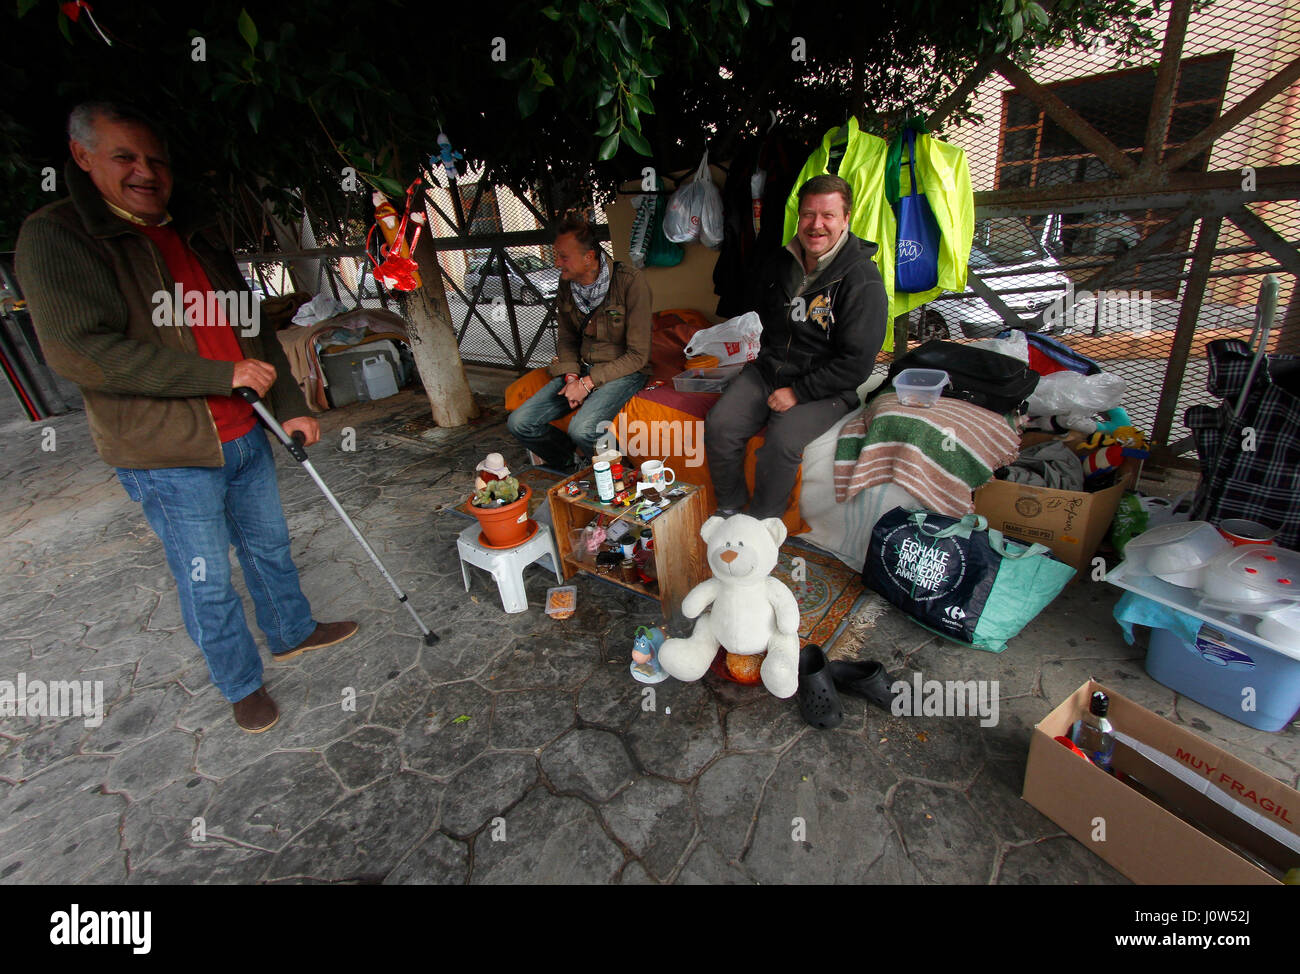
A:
(1130, 521)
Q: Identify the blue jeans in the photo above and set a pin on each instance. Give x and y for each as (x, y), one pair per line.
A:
(531, 422)
(197, 513)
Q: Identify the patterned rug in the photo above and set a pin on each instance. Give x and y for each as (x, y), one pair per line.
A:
(828, 593)
(825, 588)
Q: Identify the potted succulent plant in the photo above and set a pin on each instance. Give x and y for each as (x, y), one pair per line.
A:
(501, 507)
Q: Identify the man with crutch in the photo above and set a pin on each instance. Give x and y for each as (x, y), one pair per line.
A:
(102, 270)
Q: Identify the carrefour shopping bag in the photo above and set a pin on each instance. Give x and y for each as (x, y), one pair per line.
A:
(959, 579)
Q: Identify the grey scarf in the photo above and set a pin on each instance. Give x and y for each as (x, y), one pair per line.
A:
(588, 297)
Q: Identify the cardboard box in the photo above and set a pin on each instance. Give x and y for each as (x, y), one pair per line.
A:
(1070, 522)
(1161, 829)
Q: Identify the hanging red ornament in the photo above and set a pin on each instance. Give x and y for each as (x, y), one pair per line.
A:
(398, 271)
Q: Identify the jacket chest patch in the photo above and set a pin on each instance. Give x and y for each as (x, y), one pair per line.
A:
(819, 312)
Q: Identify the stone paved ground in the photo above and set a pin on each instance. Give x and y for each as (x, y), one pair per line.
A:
(516, 749)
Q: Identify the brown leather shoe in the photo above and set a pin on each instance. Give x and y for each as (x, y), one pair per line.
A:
(326, 634)
(257, 712)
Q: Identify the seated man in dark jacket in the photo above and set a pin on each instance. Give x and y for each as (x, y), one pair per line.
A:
(824, 313)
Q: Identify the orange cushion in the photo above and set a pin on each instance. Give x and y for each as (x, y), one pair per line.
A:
(672, 332)
(665, 430)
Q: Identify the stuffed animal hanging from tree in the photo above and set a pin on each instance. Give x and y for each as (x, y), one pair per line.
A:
(399, 271)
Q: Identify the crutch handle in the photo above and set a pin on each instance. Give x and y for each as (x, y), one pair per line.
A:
(294, 443)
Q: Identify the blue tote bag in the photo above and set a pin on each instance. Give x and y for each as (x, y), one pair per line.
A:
(916, 264)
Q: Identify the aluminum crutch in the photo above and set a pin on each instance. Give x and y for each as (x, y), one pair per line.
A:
(296, 450)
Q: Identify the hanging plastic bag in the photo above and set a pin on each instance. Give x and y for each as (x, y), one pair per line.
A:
(735, 341)
(648, 245)
(695, 210)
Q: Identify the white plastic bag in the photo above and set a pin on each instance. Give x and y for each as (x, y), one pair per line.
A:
(1017, 345)
(318, 309)
(733, 342)
(1070, 392)
(695, 210)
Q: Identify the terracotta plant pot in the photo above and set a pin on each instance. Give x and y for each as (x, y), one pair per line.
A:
(507, 525)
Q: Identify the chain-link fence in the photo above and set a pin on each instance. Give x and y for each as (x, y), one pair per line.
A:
(498, 268)
(1112, 273)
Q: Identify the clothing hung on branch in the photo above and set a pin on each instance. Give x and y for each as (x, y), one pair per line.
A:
(743, 247)
(941, 170)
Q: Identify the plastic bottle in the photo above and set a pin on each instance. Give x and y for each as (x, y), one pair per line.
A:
(604, 482)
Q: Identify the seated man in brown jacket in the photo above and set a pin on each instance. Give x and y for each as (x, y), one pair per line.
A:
(602, 344)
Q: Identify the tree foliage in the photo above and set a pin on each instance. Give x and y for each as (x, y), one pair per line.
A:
(284, 95)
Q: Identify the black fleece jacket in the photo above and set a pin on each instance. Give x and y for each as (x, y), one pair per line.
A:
(824, 342)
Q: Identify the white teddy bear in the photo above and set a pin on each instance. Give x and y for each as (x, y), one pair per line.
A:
(749, 610)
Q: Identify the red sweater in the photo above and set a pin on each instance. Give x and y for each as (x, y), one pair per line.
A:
(215, 339)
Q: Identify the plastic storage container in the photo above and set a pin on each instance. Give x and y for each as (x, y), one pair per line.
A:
(1218, 670)
(1177, 553)
(1252, 578)
(561, 602)
(920, 387)
(337, 367)
(706, 380)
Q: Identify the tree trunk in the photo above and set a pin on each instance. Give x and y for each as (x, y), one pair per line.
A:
(433, 344)
(305, 274)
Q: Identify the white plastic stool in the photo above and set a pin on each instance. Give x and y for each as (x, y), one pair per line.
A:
(507, 564)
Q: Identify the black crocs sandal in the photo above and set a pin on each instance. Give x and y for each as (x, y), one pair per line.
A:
(818, 702)
(866, 679)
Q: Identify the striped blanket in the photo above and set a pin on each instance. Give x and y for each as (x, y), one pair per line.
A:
(937, 454)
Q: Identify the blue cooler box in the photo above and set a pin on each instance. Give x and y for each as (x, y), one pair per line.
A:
(1219, 666)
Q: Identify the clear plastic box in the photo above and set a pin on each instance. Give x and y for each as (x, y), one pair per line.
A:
(920, 387)
(706, 380)
(1177, 552)
(562, 601)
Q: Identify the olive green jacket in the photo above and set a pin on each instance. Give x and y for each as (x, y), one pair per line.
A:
(615, 340)
(92, 282)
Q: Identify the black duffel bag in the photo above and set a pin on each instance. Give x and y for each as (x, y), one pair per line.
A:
(976, 375)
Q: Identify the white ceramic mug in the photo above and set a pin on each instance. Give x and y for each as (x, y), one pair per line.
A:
(654, 472)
